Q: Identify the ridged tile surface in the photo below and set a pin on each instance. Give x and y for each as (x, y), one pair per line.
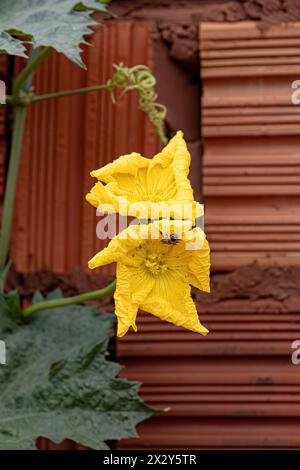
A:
(250, 128)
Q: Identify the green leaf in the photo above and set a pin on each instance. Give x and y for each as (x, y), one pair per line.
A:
(10, 310)
(11, 45)
(92, 4)
(50, 23)
(58, 384)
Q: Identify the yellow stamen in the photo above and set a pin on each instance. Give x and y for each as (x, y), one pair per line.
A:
(155, 264)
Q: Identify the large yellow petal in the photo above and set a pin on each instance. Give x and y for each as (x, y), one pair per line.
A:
(118, 250)
(169, 152)
(121, 247)
(126, 164)
(125, 309)
(199, 266)
(170, 301)
(181, 167)
(133, 286)
(177, 156)
(100, 198)
(107, 202)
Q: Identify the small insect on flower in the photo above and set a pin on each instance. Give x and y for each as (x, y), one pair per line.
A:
(173, 239)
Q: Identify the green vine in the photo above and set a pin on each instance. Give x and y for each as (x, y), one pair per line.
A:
(76, 299)
(140, 78)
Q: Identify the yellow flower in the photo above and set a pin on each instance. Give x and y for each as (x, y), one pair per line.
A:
(148, 188)
(156, 264)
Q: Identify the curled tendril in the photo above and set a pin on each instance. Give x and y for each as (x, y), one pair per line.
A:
(140, 78)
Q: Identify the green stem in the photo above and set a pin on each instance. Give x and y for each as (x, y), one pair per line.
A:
(9, 99)
(60, 94)
(3, 276)
(69, 300)
(10, 190)
(37, 57)
(22, 82)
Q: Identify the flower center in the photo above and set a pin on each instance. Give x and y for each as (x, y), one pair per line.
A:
(155, 264)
